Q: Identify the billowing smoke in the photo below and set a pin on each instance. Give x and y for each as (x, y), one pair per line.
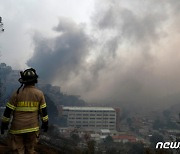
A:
(61, 55)
(130, 55)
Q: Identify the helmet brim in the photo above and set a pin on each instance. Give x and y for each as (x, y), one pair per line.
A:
(27, 81)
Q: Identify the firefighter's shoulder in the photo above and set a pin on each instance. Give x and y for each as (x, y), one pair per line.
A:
(38, 91)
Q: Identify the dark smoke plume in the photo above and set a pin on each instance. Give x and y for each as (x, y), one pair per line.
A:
(61, 55)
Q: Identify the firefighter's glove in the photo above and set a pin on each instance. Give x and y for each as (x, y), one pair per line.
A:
(45, 126)
(4, 126)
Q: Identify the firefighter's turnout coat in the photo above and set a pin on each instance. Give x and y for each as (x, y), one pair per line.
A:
(26, 108)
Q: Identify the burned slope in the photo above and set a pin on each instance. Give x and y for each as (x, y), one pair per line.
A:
(52, 143)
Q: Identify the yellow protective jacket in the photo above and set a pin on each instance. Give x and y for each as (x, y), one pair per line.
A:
(25, 108)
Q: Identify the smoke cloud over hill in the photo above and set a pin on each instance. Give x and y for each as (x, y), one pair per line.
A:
(130, 55)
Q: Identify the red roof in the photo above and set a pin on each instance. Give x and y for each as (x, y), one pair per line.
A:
(125, 137)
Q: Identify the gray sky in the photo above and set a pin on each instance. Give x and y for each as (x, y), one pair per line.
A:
(124, 51)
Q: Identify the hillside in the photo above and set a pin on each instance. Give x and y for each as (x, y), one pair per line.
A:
(40, 148)
(54, 97)
(51, 143)
(9, 83)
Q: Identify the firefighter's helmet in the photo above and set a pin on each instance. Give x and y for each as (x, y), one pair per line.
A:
(28, 76)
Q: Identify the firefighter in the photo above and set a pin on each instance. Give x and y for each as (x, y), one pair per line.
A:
(24, 108)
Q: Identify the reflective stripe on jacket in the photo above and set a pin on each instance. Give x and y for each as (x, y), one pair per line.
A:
(26, 107)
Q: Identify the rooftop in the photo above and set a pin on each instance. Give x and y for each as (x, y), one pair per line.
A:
(89, 108)
(105, 131)
(122, 137)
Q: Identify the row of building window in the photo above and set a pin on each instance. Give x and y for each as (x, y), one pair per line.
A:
(91, 118)
(92, 115)
(113, 122)
(106, 126)
(88, 111)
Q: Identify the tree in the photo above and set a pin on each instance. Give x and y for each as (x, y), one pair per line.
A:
(108, 140)
(4, 71)
(75, 137)
(155, 138)
(91, 146)
(1, 25)
(158, 124)
(136, 148)
(86, 137)
(112, 150)
(171, 125)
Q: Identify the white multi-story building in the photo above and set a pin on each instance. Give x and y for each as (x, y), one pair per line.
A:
(90, 117)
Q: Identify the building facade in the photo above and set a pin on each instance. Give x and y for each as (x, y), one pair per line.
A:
(90, 117)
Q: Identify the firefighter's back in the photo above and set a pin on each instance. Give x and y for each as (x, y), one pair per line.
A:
(25, 116)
